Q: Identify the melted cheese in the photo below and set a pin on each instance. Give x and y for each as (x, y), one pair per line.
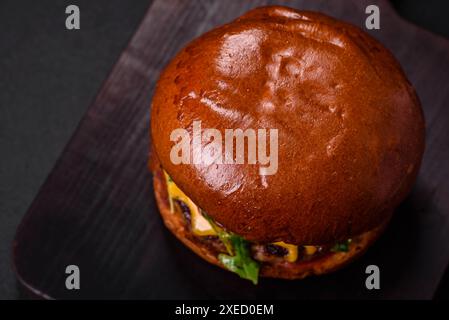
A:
(292, 254)
(200, 226)
(310, 249)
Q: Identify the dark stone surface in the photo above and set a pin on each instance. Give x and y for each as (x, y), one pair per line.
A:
(48, 77)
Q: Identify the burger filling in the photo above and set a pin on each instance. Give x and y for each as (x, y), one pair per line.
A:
(234, 252)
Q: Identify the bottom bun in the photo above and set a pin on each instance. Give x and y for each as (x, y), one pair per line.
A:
(285, 270)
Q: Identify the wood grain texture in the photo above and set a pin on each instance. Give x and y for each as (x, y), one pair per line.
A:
(96, 208)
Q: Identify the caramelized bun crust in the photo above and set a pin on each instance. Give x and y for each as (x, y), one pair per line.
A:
(351, 129)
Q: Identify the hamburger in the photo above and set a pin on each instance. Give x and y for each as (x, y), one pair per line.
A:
(349, 135)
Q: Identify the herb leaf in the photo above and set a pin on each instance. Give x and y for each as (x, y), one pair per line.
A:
(341, 246)
(241, 262)
(239, 259)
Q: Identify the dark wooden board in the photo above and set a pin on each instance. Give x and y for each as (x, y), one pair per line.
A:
(96, 208)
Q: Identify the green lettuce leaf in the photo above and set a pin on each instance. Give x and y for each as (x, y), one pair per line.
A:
(341, 246)
(241, 262)
(239, 259)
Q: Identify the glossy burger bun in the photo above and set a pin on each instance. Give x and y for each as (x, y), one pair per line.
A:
(299, 270)
(351, 129)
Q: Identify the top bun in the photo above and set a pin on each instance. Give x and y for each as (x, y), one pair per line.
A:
(351, 130)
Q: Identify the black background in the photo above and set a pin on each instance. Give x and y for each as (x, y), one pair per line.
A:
(49, 75)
